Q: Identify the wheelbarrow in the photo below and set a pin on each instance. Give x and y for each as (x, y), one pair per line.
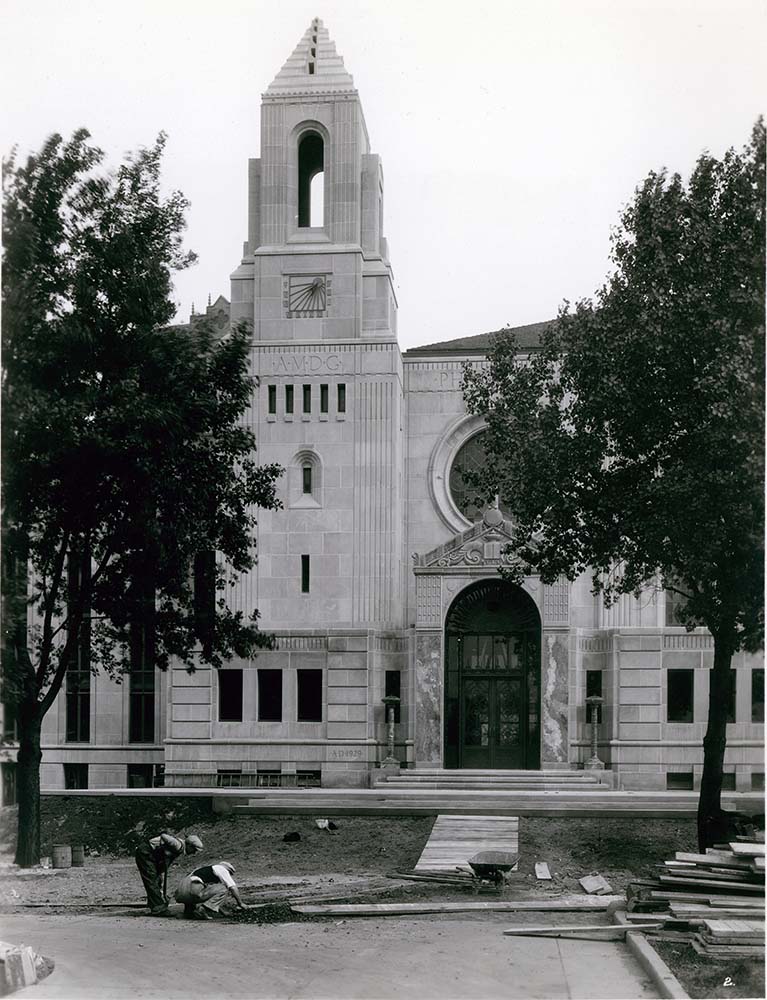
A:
(492, 867)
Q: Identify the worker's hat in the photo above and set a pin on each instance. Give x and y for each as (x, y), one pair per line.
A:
(194, 842)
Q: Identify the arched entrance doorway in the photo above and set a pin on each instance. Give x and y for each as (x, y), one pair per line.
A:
(492, 678)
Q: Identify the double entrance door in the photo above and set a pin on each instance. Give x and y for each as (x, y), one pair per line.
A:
(489, 674)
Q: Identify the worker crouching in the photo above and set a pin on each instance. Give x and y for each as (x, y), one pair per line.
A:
(205, 889)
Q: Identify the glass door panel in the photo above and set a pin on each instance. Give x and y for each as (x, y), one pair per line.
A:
(476, 723)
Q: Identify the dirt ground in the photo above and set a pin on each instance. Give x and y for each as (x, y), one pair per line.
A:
(360, 853)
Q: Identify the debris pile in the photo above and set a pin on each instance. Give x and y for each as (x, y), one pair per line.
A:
(714, 901)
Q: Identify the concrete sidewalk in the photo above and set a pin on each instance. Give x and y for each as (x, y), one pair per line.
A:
(115, 957)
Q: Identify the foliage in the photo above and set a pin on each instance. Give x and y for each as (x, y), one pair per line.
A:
(632, 442)
(123, 450)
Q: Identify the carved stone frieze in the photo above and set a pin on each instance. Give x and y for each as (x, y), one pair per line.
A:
(481, 546)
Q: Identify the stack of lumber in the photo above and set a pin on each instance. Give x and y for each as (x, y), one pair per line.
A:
(728, 938)
(713, 900)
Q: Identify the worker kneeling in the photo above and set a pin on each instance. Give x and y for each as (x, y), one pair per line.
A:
(205, 889)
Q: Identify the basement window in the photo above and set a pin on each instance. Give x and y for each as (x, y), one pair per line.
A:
(75, 776)
(679, 781)
(728, 781)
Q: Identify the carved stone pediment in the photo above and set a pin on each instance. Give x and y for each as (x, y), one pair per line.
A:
(481, 545)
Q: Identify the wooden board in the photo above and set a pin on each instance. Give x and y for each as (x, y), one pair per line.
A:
(455, 839)
(567, 904)
(581, 930)
(735, 928)
(542, 870)
(714, 859)
(748, 850)
(702, 882)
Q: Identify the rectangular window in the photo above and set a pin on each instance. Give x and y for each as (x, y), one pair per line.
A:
(309, 696)
(323, 399)
(732, 691)
(679, 781)
(674, 602)
(78, 685)
(393, 686)
(205, 596)
(10, 727)
(728, 781)
(307, 399)
(78, 706)
(306, 473)
(305, 574)
(141, 677)
(679, 690)
(230, 695)
(757, 781)
(142, 696)
(342, 398)
(8, 768)
(272, 398)
(593, 687)
(270, 696)
(757, 695)
(288, 398)
(75, 776)
(140, 775)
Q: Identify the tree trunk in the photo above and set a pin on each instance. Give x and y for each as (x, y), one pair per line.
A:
(28, 788)
(710, 827)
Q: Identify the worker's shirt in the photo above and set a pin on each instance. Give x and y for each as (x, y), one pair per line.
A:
(214, 873)
(166, 848)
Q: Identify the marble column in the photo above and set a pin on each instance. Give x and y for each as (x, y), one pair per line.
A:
(428, 699)
(554, 698)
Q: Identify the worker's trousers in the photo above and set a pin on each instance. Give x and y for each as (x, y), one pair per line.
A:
(152, 875)
(192, 892)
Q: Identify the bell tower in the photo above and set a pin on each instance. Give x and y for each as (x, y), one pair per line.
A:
(315, 265)
(315, 285)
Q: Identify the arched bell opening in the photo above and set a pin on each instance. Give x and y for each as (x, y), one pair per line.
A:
(311, 167)
(492, 678)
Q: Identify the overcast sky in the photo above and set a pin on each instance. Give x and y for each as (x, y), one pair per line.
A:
(511, 132)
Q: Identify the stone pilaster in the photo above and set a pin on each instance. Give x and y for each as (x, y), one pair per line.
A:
(428, 699)
(554, 699)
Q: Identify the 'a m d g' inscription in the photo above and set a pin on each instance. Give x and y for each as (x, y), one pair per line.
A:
(303, 363)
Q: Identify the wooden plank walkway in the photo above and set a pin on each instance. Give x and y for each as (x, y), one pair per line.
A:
(456, 838)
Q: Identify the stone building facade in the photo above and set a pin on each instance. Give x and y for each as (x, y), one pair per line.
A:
(378, 576)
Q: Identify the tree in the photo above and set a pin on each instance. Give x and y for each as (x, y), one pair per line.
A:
(632, 444)
(124, 456)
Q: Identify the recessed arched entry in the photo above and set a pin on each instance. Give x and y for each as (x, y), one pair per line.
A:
(492, 678)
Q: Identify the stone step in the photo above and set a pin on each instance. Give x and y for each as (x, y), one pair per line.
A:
(501, 773)
(588, 787)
